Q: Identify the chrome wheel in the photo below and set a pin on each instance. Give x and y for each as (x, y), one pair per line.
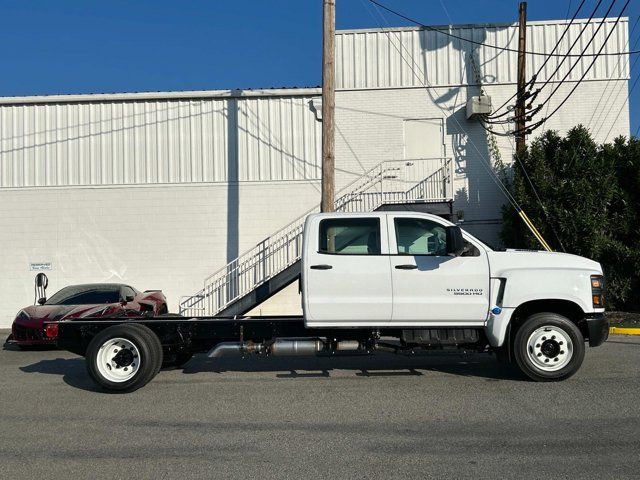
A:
(549, 348)
(118, 360)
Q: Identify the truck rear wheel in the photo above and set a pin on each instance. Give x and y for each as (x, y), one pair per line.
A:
(123, 358)
(548, 347)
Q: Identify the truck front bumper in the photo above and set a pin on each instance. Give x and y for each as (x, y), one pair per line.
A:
(598, 327)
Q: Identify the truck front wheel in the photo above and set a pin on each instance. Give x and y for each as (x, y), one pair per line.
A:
(123, 358)
(548, 347)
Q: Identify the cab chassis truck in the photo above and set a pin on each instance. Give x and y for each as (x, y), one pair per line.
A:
(390, 281)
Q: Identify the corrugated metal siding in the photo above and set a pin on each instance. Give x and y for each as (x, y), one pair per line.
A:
(416, 57)
(151, 142)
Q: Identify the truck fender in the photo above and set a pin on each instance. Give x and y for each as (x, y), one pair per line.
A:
(496, 327)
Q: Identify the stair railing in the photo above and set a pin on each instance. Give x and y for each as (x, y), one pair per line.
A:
(394, 181)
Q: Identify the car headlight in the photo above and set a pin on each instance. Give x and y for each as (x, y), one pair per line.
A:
(22, 315)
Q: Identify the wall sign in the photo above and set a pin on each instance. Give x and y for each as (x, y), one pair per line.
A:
(39, 266)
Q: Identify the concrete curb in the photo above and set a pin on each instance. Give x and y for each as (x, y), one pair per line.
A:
(624, 331)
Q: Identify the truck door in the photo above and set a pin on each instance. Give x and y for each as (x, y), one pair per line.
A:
(347, 277)
(428, 284)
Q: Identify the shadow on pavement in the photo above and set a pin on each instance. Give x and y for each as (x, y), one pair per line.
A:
(378, 365)
(74, 373)
(28, 348)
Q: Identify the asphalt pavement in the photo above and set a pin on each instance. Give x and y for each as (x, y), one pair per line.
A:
(383, 417)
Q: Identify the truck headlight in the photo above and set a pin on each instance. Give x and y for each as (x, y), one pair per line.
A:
(597, 291)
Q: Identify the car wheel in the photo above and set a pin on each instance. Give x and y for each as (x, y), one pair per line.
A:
(548, 347)
(123, 358)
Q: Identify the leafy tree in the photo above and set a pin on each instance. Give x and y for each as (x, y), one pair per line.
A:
(586, 201)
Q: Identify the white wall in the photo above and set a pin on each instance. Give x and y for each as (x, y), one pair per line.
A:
(166, 237)
(124, 142)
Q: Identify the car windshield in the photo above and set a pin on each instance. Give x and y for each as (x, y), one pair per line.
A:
(86, 295)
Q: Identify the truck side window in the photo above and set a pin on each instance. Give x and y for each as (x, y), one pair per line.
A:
(470, 250)
(417, 236)
(350, 236)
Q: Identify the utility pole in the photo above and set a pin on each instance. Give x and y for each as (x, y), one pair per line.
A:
(328, 105)
(520, 103)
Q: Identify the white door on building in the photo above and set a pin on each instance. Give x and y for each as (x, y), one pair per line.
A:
(423, 138)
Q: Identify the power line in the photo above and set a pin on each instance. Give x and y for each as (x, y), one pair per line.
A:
(616, 68)
(570, 48)
(549, 105)
(527, 96)
(535, 75)
(577, 149)
(557, 69)
(566, 75)
(494, 177)
(536, 125)
(583, 75)
(496, 47)
(533, 188)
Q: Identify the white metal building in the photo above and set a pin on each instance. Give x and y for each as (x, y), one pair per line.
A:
(160, 190)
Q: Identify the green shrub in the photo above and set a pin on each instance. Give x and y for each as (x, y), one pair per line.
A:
(589, 205)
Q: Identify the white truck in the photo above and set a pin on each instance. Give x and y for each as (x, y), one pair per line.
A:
(391, 281)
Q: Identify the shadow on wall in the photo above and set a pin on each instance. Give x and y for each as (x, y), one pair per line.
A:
(233, 176)
(469, 141)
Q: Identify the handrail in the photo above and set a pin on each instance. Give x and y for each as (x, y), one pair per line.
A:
(261, 262)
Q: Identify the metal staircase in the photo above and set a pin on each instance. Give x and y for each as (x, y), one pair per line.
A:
(274, 263)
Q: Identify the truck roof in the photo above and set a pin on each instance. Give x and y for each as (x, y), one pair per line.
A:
(395, 213)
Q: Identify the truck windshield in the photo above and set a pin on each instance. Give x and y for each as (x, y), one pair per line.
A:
(85, 295)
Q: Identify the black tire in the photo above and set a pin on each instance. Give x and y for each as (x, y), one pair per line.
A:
(523, 353)
(148, 346)
(156, 341)
(163, 309)
(176, 360)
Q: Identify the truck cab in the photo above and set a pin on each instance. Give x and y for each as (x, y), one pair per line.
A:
(413, 270)
(392, 269)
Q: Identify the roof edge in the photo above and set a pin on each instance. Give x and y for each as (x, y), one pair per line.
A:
(577, 21)
(175, 95)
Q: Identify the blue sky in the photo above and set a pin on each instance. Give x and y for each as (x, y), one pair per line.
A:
(74, 46)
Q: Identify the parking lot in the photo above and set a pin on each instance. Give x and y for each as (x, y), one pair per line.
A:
(444, 416)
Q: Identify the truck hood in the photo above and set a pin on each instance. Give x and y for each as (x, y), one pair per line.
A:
(502, 262)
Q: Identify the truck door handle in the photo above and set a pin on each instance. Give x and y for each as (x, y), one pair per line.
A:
(406, 267)
(321, 267)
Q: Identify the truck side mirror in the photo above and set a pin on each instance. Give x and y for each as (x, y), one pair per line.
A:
(455, 242)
